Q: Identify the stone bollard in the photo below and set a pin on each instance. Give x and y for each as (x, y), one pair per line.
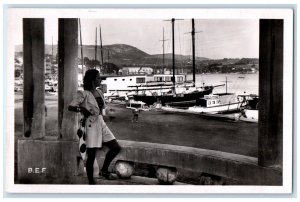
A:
(207, 179)
(166, 175)
(124, 169)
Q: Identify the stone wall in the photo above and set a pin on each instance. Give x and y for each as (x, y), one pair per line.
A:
(62, 163)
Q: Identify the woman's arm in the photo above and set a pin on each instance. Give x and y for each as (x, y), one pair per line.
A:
(76, 102)
(74, 108)
(83, 110)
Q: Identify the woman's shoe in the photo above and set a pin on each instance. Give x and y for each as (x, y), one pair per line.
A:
(92, 182)
(108, 175)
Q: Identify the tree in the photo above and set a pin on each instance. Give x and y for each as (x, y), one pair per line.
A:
(110, 68)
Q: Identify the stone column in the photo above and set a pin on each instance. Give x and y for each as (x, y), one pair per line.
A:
(270, 92)
(67, 76)
(34, 78)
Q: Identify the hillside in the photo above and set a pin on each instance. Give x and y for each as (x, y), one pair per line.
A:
(123, 55)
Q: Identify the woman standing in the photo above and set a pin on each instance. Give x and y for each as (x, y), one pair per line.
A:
(91, 104)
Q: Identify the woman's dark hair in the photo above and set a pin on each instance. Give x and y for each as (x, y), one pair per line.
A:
(89, 77)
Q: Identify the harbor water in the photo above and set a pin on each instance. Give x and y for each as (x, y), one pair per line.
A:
(236, 83)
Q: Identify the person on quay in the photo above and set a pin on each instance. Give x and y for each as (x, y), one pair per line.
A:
(135, 115)
(90, 102)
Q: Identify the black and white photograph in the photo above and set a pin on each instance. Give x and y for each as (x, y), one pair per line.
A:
(149, 100)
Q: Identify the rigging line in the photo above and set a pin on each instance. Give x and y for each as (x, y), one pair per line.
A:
(246, 82)
(243, 84)
(179, 40)
(201, 75)
(237, 85)
(96, 49)
(198, 55)
(198, 52)
(234, 86)
(101, 49)
(190, 48)
(167, 56)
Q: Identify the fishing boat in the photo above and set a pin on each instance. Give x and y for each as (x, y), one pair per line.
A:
(213, 104)
(225, 103)
(179, 94)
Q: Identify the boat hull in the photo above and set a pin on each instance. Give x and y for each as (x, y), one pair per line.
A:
(165, 99)
(216, 109)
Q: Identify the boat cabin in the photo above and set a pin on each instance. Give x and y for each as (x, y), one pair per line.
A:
(209, 101)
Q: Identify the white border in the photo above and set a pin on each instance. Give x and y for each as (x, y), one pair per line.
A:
(286, 14)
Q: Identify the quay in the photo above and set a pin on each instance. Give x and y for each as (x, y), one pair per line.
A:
(184, 133)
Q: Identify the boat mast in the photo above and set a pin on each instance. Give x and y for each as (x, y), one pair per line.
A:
(52, 51)
(96, 48)
(101, 51)
(52, 58)
(173, 54)
(226, 85)
(163, 66)
(193, 48)
(163, 40)
(107, 59)
(83, 70)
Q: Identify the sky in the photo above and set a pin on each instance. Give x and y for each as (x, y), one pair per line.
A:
(215, 38)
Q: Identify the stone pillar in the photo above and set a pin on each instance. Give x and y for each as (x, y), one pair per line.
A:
(67, 76)
(270, 92)
(34, 78)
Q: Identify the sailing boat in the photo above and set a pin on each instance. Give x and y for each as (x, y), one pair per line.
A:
(177, 97)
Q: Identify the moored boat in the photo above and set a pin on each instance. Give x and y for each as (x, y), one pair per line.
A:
(212, 104)
(185, 97)
(120, 86)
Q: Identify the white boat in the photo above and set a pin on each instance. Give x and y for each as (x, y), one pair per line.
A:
(212, 104)
(125, 85)
(137, 105)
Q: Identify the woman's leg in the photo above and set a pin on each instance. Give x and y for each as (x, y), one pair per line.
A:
(91, 154)
(114, 149)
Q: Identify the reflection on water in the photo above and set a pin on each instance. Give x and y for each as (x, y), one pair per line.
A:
(236, 83)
